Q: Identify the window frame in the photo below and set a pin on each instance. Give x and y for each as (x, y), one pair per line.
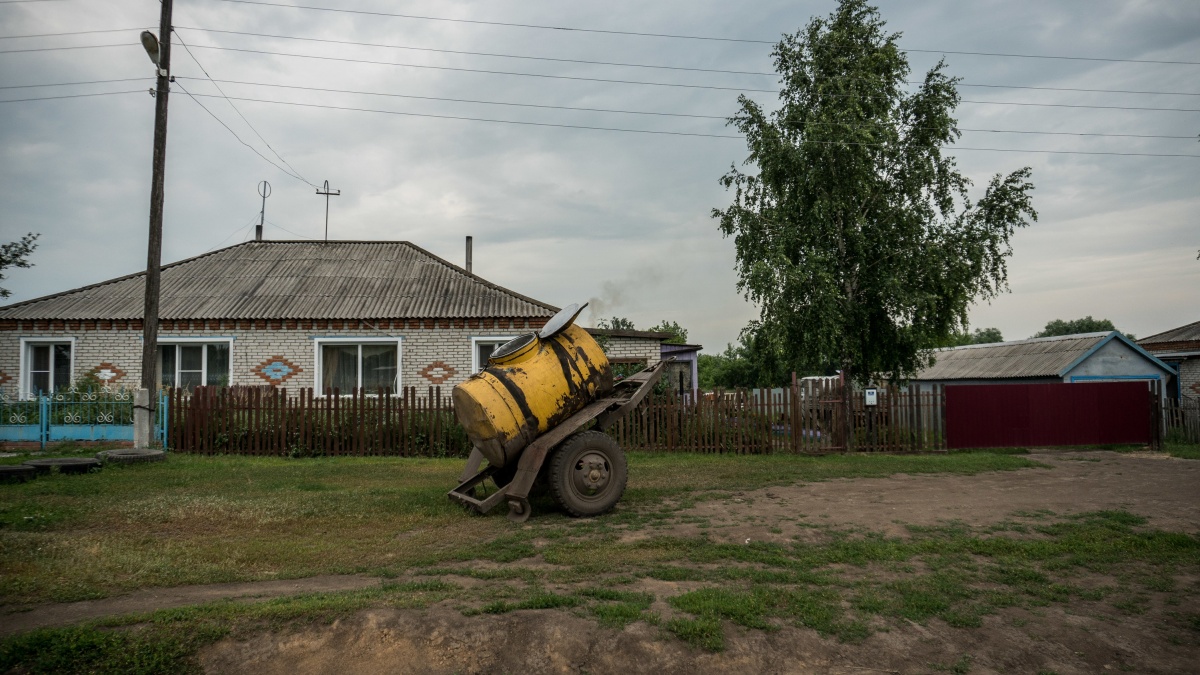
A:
(26, 362)
(476, 366)
(319, 366)
(192, 340)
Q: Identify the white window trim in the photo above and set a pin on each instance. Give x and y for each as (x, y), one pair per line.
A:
(171, 341)
(23, 368)
(318, 375)
(476, 366)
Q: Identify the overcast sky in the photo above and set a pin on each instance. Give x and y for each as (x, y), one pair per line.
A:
(566, 214)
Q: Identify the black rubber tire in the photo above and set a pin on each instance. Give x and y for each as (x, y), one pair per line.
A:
(587, 459)
(130, 456)
(16, 473)
(64, 464)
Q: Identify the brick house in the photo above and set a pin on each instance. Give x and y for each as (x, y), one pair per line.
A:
(1179, 347)
(285, 313)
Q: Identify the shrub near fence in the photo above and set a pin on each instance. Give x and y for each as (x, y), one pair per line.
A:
(267, 421)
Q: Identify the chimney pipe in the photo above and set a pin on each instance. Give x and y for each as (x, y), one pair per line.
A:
(468, 254)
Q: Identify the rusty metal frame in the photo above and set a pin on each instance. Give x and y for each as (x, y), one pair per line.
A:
(626, 395)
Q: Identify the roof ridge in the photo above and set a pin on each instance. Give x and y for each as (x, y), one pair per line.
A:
(1052, 338)
(1170, 330)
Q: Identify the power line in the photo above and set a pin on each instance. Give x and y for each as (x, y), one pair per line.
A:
(624, 64)
(75, 32)
(239, 112)
(72, 84)
(677, 36)
(239, 138)
(59, 49)
(52, 98)
(274, 224)
(637, 82)
(466, 53)
(467, 100)
(667, 133)
(628, 112)
(477, 70)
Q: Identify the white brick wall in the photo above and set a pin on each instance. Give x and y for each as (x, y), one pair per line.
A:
(420, 349)
(1189, 378)
(634, 348)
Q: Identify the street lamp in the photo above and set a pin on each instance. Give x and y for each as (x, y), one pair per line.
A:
(159, 52)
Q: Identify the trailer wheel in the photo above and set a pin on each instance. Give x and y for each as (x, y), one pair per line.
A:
(587, 474)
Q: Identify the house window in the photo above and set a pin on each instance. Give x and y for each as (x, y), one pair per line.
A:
(187, 365)
(349, 365)
(47, 366)
(482, 348)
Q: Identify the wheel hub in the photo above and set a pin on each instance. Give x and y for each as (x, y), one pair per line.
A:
(591, 473)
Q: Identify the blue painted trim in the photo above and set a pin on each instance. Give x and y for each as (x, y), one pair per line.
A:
(1116, 335)
(1081, 378)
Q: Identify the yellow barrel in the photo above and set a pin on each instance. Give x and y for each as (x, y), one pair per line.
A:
(530, 385)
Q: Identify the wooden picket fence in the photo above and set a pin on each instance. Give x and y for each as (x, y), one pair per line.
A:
(1181, 420)
(806, 418)
(269, 421)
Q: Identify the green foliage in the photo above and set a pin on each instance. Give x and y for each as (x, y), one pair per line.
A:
(678, 333)
(753, 362)
(981, 336)
(615, 323)
(16, 254)
(856, 236)
(1075, 326)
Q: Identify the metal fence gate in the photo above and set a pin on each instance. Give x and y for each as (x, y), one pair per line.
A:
(1054, 414)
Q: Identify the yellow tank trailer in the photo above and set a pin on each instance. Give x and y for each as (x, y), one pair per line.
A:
(525, 414)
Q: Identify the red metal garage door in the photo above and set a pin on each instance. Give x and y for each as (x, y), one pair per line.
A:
(1032, 415)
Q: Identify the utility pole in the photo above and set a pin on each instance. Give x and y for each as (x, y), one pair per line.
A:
(264, 190)
(328, 193)
(160, 53)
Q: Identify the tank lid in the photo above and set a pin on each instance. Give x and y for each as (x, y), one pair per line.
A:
(559, 322)
(513, 347)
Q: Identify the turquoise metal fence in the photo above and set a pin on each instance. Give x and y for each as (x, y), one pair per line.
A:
(75, 415)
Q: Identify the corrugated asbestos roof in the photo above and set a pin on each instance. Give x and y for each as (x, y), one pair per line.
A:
(296, 280)
(1186, 333)
(1040, 357)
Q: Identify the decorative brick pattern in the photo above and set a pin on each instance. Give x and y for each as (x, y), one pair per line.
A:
(277, 370)
(4, 378)
(423, 345)
(107, 373)
(438, 372)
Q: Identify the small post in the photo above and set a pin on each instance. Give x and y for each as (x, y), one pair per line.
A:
(468, 254)
(264, 191)
(328, 193)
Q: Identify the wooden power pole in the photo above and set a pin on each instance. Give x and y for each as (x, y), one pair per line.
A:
(144, 413)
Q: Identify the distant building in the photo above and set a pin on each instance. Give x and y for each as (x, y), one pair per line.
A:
(1180, 348)
(1087, 357)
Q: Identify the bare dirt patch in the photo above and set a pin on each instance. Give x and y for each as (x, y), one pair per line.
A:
(153, 599)
(1158, 487)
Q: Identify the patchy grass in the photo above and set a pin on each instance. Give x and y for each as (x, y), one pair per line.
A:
(1182, 450)
(200, 520)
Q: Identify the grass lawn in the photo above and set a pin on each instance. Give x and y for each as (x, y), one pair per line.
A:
(194, 520)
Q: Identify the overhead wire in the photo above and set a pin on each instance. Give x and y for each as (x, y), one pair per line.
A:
(72, 84)
(668, 133)
(624, 64)
(676, 36)
(633, 82)
(235, 135)
(239, 112)
(52, 98)
(625, 112)
(74, 32)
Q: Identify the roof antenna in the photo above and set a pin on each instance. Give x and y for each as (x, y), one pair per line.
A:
(328, 193)
(264, 190)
